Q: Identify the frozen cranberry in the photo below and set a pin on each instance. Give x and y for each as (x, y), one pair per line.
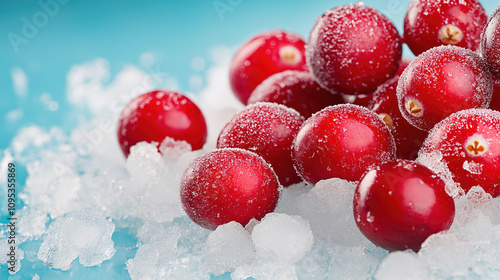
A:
(352, 49)
(469, 142)
(405, 61)
(432, 23)
(408, 138)
(228, 185)
(155, 115)
(341, 141)
(267, 129)
(297, 90)
(490, 42)
(401, 203)
(266, 54)
(441, 81)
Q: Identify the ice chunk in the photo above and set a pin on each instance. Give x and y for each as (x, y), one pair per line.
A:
(434, 161)
(282, 237)
(32, 222)
(83, 234)
(229, 246)
(448, 253)
(171, 149)
(144, 162)
(402, 265)
(328, 208)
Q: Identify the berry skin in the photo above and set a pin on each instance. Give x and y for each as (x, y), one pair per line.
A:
(441, 81)
(297, 90)
(432, 23)
(266, 54)
(155, 115)
(353, 49)
(490, 43)
(267, 129)
(400, 203)
(227, 185)
(469, 142)
(341, 141)
(408, 138)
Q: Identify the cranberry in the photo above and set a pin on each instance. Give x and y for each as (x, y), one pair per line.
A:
(490, 42)
(469, 142)
(155, 115)
(352, 49)
(432, 23)
(441, 81)
(297, 90)
(266, 54)
(228, 185)
(267, 129)
(341, 141)
(405, 61)
(401, 203)
(408, 138)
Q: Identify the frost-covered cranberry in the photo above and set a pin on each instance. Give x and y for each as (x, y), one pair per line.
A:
(490, 42)
(352, 49)
(267, 129)
(399, 204)
(341, 141)
(155, 115)
(408, 138)
(441, 81)
(297, 90)
(266, 54)
(469, 142)
(228, 185)
(432, 23)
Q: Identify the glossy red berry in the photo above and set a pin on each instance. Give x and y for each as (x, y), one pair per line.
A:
(268, 129)
(228, 185)
(490, 42)
(341, 141)
(441, 81)
(469, 142)
(297, 90)
(266, 54)
(408, 138)
(432, 23)
(399, 204)
(155, 115)
(353, 49)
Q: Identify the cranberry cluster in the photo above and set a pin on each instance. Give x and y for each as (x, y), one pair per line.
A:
(299, 126)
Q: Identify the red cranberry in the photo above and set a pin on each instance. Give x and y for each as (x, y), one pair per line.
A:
(408, 138)
(469, 142)
(266, 54)
(490, 42)
(341, 141)
(401, 203)
(155, 115)
(297, 90)
(352, 49)
(441, 81)
(228, 185)
(268, 129)
(432, 23)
